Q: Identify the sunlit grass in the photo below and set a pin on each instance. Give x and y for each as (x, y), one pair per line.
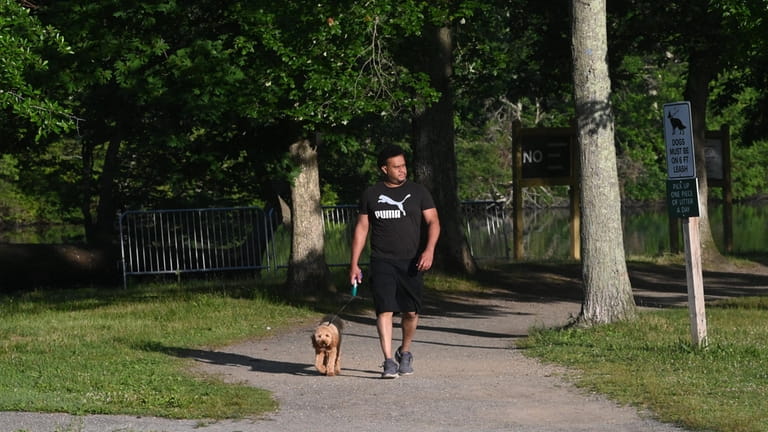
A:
(651, 363)
(112, 351)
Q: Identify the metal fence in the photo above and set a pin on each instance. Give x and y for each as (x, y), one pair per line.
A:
(196, 240)
(338, 228)
(249, 238)
(486, 227)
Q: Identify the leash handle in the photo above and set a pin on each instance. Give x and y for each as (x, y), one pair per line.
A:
(357, 278)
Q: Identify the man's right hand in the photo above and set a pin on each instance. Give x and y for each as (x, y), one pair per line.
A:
(355, 275)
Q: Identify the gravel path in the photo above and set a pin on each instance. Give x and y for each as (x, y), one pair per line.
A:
(469, 377)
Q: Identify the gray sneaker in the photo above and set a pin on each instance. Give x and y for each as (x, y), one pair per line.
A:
(390, 369)
(406, 362)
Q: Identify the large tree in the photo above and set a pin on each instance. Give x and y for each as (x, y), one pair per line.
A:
(607, 290)
(182, 96)
(434, 142)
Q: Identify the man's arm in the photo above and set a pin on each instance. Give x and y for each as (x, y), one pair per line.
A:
(433, 233)
(358, 243)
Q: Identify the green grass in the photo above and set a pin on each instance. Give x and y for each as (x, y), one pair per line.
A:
(651, 363)
(87, 351)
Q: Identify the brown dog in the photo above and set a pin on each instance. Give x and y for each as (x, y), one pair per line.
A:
(327, 343)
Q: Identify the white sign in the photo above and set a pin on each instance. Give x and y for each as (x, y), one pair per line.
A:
(678, 136)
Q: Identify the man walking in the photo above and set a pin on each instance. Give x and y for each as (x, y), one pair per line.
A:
(394, 209)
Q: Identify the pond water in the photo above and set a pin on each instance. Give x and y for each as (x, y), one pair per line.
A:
(546, 233)
(646, 231)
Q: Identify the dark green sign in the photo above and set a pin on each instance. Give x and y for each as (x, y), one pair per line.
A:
(683, 198)
(546, 157)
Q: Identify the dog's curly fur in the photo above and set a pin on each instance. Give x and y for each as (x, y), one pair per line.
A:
(327, 343)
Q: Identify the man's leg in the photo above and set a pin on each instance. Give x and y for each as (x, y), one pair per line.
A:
(403, 355)
(409, 323)
(384, 326)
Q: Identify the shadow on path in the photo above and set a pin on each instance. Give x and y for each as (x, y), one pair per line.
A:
(231, 359)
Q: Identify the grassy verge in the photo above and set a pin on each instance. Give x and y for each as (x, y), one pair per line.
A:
(117, 351)
(650, 363)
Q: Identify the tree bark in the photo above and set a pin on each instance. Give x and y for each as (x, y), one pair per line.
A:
(86, 190)
(607, 290)
(307, 270)
(700, 73)
(106, 211)
(434, 152)
(100, 228)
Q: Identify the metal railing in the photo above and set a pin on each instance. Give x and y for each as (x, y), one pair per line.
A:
(249, 238)
(196, 240)
(486, 227)
(339, 226)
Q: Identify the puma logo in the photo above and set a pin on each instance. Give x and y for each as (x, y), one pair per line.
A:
(398, 204)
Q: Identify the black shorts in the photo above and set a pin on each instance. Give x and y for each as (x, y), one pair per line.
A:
(396, 285)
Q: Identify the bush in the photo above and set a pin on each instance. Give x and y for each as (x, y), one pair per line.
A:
(750, 170)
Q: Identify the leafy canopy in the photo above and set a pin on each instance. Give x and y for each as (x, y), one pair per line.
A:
(23, 44)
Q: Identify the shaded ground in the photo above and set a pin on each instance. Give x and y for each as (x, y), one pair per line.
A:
(654, 285)
(27, 266)
(469, 375)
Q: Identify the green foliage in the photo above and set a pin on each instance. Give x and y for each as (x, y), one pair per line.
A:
(750, 175)
(494, 63)
(40, 186)
(486, 159)
(731, 96)
(199, 93)
(31, 191)
(15, 207)
(496, 83)
(638, 95)
(204, 97)
(348, 156)
(24, 40)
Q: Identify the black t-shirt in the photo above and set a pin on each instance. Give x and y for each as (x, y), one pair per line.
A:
(394, 216)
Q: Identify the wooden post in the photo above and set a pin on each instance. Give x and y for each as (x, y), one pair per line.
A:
(575, 208)
(683, 202)
(542, 146)
(674, 235)
(517, 192)
(725, 133)
(695, 281)
(575, 195)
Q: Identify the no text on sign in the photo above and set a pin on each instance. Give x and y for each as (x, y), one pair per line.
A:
(546, 157)
(678, 136)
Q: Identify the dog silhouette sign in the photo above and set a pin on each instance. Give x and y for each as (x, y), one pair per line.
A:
(678, 136)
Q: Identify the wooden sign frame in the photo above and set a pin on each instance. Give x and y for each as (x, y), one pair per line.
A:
(520, 136)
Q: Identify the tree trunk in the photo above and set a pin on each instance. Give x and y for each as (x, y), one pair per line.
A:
(434, 152)
(607, 290)
(100, 228)
(86, 190)
(104, 234)
(700, 73)
(307, 271)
